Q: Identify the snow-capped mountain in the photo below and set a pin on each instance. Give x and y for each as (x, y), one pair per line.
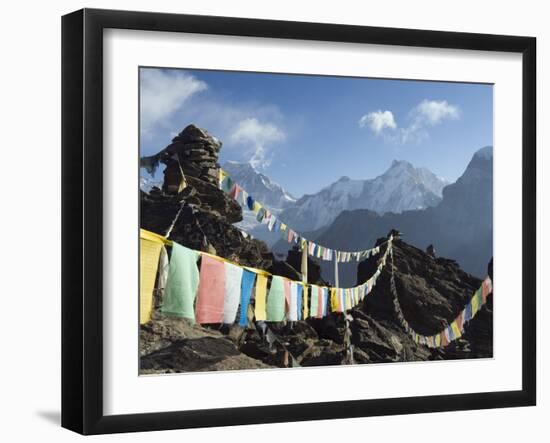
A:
(263, 189)
(402, 187)
(260, 186)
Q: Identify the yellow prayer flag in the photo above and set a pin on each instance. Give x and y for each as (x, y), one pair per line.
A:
(261, 292)
(456, 329)
(257, 206)
(334, 302)
(148, 264)
(475, 304)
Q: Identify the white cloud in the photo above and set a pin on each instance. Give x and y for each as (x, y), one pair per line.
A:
(378, 121)
(258, 137)
(162, 93)
(426, 114)
(431, 112)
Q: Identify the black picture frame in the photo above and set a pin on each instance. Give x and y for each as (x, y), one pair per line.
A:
(82, 218)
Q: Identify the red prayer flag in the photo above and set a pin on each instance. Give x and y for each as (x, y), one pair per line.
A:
(211, 294)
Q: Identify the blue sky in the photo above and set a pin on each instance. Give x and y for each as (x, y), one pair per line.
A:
(306, 132)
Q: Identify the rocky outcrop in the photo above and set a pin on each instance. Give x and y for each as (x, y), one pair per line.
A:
(431, 292)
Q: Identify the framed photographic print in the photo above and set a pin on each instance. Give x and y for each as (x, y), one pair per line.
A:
(269, 221)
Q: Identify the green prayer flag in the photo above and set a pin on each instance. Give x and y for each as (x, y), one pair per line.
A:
(182, 283)
(276, 300)
(314, 305)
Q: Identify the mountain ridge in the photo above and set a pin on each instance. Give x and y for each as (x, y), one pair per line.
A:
(401, 187)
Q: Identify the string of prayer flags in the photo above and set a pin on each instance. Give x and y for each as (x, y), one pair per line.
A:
(182, 283)
(263, 215)
(451, 332)
(215, 293)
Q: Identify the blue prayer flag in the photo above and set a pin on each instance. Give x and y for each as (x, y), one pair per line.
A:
(247, 284)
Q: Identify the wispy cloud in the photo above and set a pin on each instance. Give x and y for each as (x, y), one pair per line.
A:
(257, 137)
(164, 92)
(378, 121)
(426, 114)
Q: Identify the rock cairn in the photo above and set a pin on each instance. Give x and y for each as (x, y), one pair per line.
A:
(196, 152)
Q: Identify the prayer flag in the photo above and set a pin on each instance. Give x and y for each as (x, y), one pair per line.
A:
(261, 292)
(477, 301)
(314, 301)
(244, 198)
(334, 301)
(247, 284)
(210, 299)
(293, 308)
(234, 191)
(276, 300)
(250, 202)
(286, 286)
(148, 264)
(456, 330)
(182, 283)
(325, 301)
(319, 302)
(233, 276)
(261, 215)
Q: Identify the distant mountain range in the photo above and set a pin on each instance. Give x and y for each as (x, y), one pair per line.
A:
(460, 227)
(402, 187)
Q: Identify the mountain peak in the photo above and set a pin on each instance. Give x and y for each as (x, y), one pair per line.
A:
(400, 163)
(231, 164)
(485, 153)
(274, 196)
